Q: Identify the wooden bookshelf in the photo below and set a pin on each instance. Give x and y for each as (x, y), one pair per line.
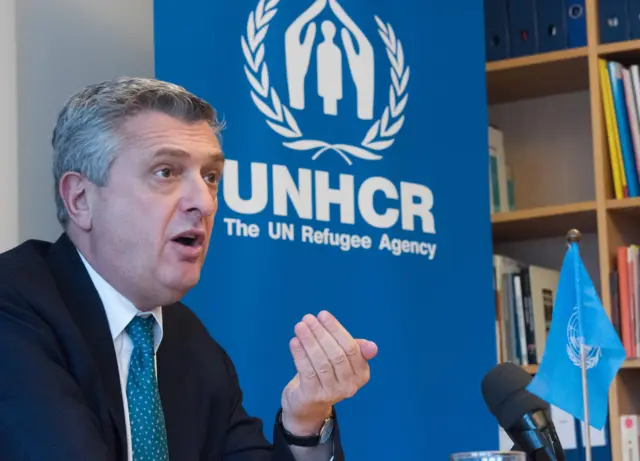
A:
(538, 88)
(626, 204)
(630, 47)
(632, 363)
(537, 76)
(543, 222)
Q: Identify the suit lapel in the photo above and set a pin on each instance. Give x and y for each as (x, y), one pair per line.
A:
(173, 372)
(84, 305)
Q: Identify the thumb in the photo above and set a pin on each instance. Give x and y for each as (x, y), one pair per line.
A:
(369, 349)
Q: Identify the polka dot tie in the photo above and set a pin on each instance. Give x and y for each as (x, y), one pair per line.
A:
(148, 432)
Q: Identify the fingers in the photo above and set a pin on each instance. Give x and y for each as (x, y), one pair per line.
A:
(369, 349)
(307, 372)
(333, 359)
(349, 345)
(323, 369)
(331, 349)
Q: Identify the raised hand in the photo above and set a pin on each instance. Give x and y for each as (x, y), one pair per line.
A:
(332, 366)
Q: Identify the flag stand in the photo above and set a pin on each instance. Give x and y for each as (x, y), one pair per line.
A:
(573, 236)
(585, 404)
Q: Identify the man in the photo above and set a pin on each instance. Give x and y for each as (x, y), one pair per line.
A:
(101, 361)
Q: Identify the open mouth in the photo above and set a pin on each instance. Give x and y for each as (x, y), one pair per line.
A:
(187, 239)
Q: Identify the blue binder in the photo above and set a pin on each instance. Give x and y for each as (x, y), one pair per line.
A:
(523, 38)
(576, 23)
(613, 20)
(551, 24)
(496, 30)
(634, 19)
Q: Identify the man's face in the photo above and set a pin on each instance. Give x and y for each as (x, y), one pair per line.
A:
(152, 222)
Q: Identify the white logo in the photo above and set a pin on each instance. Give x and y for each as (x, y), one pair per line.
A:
(592, 354)
(298, 52)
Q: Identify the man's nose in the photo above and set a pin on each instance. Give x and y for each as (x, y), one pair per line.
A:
(201, 198)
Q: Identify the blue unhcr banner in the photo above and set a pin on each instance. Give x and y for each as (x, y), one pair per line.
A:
(357, 182)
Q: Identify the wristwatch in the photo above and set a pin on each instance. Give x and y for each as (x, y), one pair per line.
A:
(321, 437)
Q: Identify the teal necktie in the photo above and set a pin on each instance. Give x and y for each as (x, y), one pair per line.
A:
(148, 432)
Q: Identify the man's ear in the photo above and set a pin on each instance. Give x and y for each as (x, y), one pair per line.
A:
(75, 191)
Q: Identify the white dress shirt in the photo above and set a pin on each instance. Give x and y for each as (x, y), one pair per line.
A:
(120, 311)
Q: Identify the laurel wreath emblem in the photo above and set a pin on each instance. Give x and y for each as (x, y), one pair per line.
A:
(381, 134)
(574, 344)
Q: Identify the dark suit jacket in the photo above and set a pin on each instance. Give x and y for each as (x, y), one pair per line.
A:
(60, 397)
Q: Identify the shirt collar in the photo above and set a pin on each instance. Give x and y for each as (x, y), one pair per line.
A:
(120, 311)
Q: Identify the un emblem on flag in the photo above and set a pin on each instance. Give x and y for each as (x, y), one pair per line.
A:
(574, 341)
(299, 48)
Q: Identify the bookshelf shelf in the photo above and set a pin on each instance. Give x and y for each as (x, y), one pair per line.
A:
(631, 363)
(543, 222)
(625, 205)
(620, 49)
(536, 76)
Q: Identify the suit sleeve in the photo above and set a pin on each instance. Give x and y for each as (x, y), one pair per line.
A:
(245, 438)
(42, 411)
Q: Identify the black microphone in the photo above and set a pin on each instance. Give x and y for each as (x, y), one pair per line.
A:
(525, 417)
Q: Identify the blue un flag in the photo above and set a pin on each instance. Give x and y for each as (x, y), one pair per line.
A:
(578, 313)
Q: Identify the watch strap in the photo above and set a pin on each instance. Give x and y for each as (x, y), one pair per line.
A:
(310, 440)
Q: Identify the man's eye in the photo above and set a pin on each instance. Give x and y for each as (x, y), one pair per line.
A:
(164, 172)
(211, 178)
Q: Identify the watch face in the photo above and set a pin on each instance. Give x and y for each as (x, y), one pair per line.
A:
(326, 431)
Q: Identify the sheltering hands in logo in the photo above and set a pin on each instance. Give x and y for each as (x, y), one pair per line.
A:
(298, 51)
(332, 366)
(382, 132)
(360, 62)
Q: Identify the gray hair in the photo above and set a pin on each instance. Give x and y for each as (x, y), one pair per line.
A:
(85, 138)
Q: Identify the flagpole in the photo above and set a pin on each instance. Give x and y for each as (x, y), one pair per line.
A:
(574, 236)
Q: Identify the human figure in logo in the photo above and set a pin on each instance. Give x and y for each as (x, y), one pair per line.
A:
(360, 62)
(329, 70)
(298, 52)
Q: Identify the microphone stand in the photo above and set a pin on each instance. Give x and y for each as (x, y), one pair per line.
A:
(536, 430)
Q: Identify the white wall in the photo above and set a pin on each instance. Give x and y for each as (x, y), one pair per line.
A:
(545, 139)
(8, 128)
(62, 45)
